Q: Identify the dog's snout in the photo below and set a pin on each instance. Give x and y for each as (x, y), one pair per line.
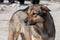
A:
(26, 20)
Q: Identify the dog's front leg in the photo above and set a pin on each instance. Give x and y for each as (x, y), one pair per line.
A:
(14, 28)
(11, 31)
(17, 32)
(34, 34)
(14, 32)
(27, 33)
(40, 30)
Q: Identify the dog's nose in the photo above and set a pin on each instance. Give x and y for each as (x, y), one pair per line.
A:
(26, 20)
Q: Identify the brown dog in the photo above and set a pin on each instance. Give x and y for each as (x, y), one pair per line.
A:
(37, 24)
(38, 14)
(18, 26)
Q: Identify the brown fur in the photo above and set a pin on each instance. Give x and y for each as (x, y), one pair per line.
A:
(37, 31)
(49, 28)
(16, 25)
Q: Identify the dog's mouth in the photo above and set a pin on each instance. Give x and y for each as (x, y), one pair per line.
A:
(32, 23)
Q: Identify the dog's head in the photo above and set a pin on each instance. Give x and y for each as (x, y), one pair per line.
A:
(35, 14)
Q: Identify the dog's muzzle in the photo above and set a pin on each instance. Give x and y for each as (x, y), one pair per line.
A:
(27, 22)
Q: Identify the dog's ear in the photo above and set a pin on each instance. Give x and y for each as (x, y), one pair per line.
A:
(29, 10)
(45, 9)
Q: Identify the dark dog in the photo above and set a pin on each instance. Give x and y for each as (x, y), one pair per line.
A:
(12, 1)
(1, 1)
(35, 1)
(22, 1)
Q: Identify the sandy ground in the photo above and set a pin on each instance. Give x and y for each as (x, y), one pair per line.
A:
(6, 12)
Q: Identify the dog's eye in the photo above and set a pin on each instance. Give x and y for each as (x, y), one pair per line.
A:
(34, 14)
